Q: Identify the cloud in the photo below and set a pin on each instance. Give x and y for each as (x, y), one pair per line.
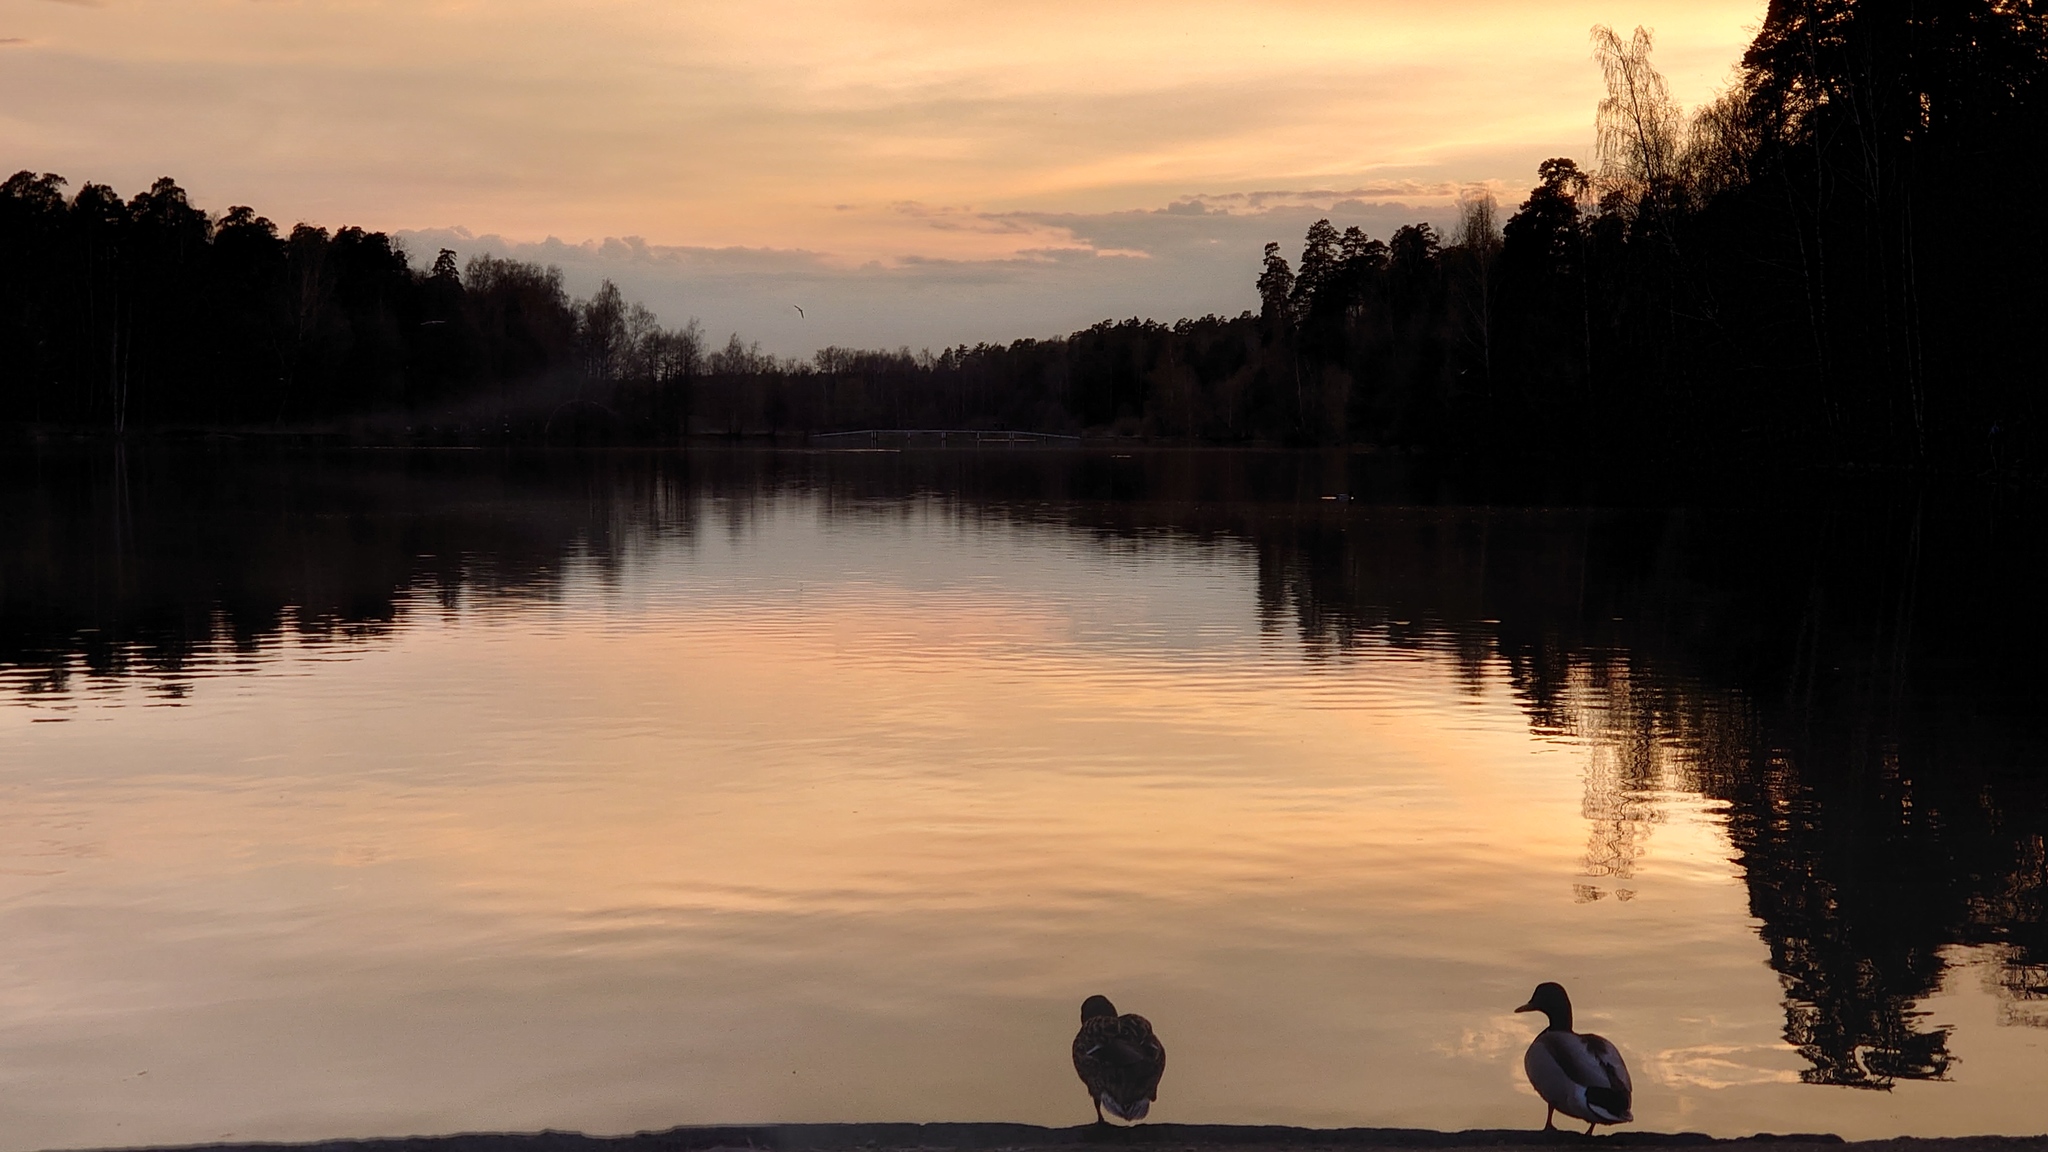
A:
(1164, 263)
(796, 123)
(1717, 1066)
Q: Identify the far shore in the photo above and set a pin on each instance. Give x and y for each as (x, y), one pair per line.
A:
(1186, 1137)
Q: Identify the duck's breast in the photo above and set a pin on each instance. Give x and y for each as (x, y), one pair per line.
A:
(1549, 1075)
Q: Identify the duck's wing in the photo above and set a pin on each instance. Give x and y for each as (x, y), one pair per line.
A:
(1120, 1061)
(1088, 1051)
(1609, 1058)
(1101, 1052)
(1151, 1053)
(1581, 1067)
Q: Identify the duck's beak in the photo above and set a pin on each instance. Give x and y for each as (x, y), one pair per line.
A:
(1529, 1007)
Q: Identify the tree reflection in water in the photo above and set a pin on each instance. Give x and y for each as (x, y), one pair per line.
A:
(1852, 677)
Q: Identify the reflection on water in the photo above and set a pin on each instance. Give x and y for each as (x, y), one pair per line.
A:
(396, 792)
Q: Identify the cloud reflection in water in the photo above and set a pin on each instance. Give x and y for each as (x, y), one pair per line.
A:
(625, 791)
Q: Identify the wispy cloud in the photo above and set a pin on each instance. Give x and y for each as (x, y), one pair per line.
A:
(800, 122)
(1158, 262)
(1717, 1066)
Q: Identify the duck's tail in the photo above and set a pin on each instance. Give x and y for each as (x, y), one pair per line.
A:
(1611, 1105)
(1133, 1113)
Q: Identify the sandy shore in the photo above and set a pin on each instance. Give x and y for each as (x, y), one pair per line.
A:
(1183, 1137)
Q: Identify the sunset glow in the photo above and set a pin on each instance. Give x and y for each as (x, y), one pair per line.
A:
(877, 130)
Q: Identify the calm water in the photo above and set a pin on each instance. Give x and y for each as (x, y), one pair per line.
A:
(387, 793)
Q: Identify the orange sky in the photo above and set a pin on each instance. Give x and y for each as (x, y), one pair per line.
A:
(888, 131)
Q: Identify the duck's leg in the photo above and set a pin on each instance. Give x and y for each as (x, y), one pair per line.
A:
(1589, 1127)
(1098, 1112)
(1548, 1112)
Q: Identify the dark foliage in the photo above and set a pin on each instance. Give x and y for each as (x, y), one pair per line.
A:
(149, 314)
(1782, 276)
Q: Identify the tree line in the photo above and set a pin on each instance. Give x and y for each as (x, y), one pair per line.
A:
(1827, 262)
(149, 312)
(1817, 265)
(1788, 272)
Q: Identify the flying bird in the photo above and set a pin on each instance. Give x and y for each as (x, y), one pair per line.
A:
(799, 311)
(1576, 1073)
(1118, 1059)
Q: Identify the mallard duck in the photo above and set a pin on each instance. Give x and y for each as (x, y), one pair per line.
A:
(1118, 1059)
(1576, 1073)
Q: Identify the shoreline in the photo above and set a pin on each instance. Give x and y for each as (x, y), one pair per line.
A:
(880, 1137)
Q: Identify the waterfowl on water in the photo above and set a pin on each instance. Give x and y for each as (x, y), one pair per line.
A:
(1118, 1059)
(1576, 1073)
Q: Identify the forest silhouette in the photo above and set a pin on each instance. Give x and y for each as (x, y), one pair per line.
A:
(1823, 265)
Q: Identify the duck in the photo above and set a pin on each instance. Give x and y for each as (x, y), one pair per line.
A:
(1576, 1073)
(1118, 1059)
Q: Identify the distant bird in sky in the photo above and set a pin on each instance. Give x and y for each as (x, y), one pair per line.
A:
(1576, 1073)
(1118, 1059)
(799, 311)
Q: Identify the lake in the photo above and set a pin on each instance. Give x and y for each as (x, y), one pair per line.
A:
(379, 793)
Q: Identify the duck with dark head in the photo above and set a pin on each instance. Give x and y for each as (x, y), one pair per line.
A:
(1576, 1073)
(1118, 1059)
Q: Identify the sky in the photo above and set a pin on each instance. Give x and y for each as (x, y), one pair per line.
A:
(908, 172)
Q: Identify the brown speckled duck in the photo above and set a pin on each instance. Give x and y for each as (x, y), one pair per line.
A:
(1118, 1059)
(1576, 1073)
